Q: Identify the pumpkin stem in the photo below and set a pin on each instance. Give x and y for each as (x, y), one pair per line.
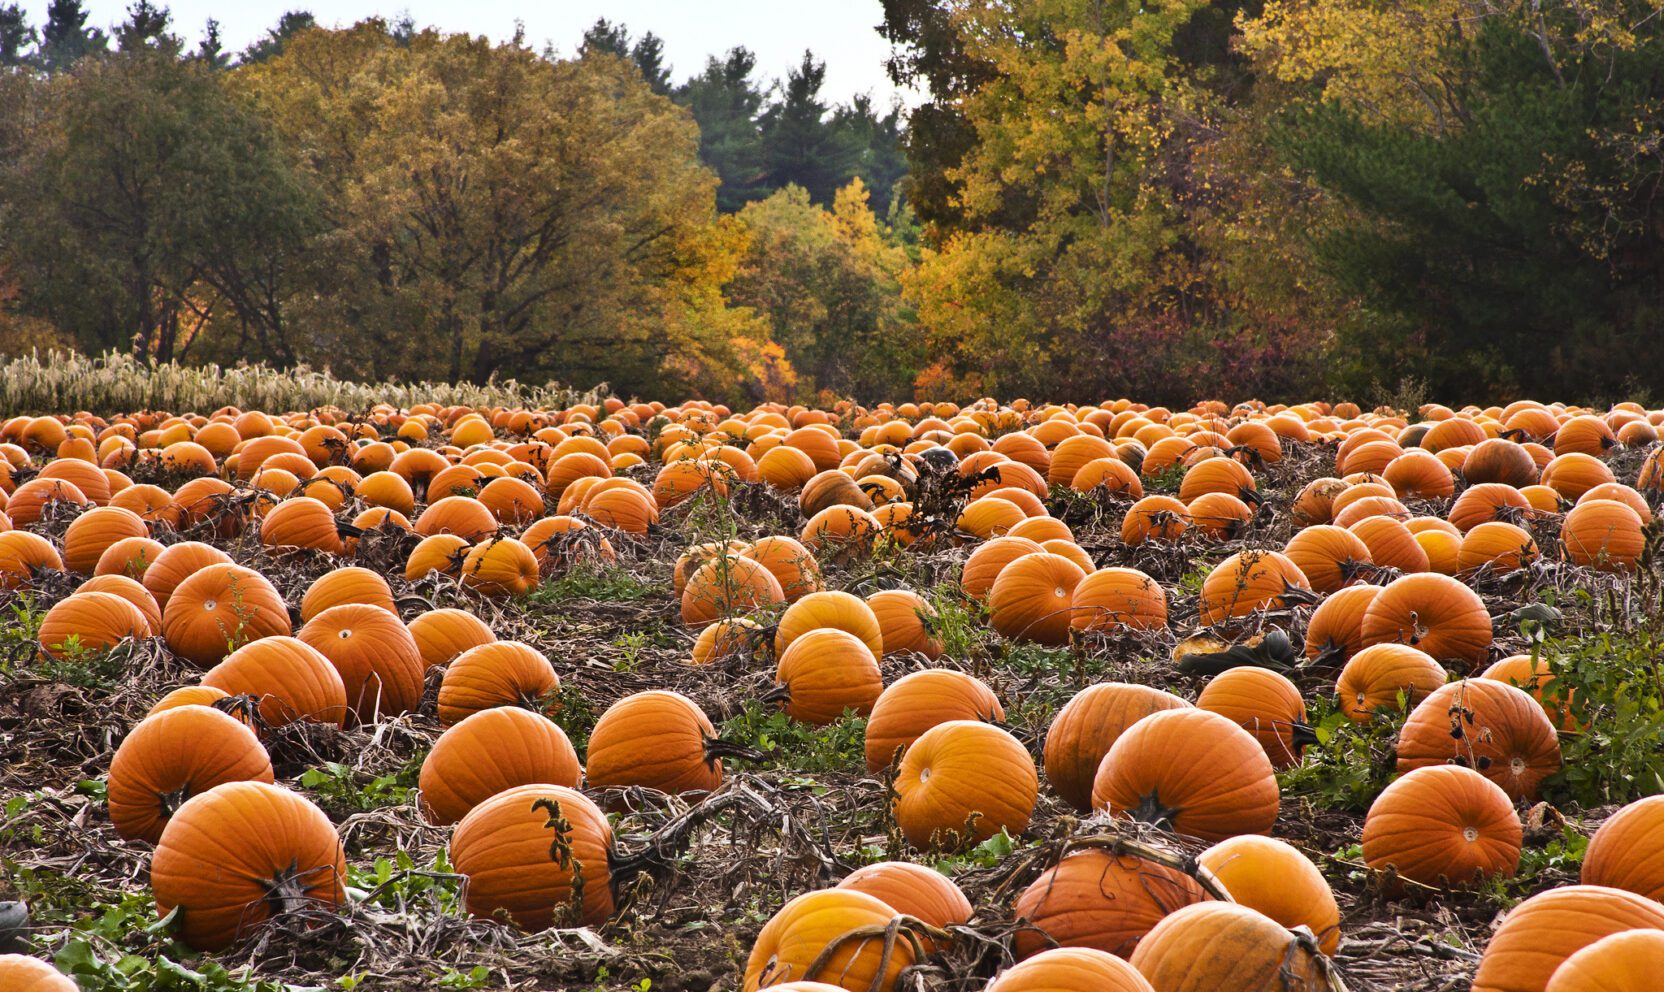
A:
(1302, 734)
(286, 892)
(171, 801)
(781, 692)
(716, 747)
(1150, 810)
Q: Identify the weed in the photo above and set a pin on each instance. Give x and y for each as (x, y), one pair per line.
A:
(570, 708)
(596, 582)
(1350, 763)
(1612, 685)
(839, 746)
(342, 786)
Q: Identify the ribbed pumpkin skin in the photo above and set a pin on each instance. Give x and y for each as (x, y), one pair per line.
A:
(94, 622)
(727, 585)
(1087, 726)
(130, 557)
(1482, 503)
(500, 566)
(174, 755)
(791, 564)
(1625, 853)
(441, 635)
(1603, 534)
(988, 560)
(1434, 613)
(902, 618)
(1443, 821)
(19, 973)
(175, 564)
(1248, 581)
(376, 656)
(959, 769)
(301, 522)
(188, 695)
(1535, 676)
(1202, 774)
(503, 847)
(1539, 934)
(1274, 878)
(351, 584)
(94, 531)
(219, 609)
(1070, 969)
(133, 592)
(1261, 702)
(1374, 677)
(1497, 460)
(1335, 629)
(655, 739)
(1096, 899)
(290, 678)
(1112, 598)
(1032, 599)
(1325, 554)
(1504, 735)
(489, 752)
(222, 849)
(791, 941)
(912, 890)
(442, 553)
(21, 553)
(1154, 518)
(1630, 961)
(828, 671)
(1497, 546)
(500, 673)
(459, 516)
(830, 610)
(1222, 947)
(920, 700)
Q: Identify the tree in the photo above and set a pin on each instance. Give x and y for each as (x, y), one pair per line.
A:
(138, 180)
(799, 146)
(648, 55)
(605, 38)
(66, 36)
(210, 51)
(726, 102)
(146, 27)
(881, 163)
(277, 38)
(16, 35)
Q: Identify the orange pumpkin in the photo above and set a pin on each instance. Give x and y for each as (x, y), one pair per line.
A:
(92, 533)
(441, 635)
(218, 609)
(803, 933)
(1274, 878)
(288, 677)
(1628, 961)
(175, 564)
(497, 673)
(1250, 581)
(173, 755)
(913, 890)
(1624, 852)
(500, 566)
(489, 752)
(1375, 677)
(962, 782)
(1100, 900)
(504, 846)
(1266, 705)
(656, 739)
(1223, 947)
(1442, 824)
(379, 662)
(1086, 728)
(1114, 598)
(25, 974)
(1191, 771)
(726, 585)
(830, 610)
(346, 585)
(1070, 969)
(1032, 598)
(1431, 612)
(1603, 534)
(1539, 934)
(1495, 729)
(825, 672)
(1335, 630)
(919, 701)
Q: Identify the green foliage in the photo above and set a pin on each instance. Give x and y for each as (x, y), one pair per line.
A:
(987, 854)
(571, 709)
(397, 882)
(343, 787)
(1616, 690)
(1350, 763)
(840, 746)
(594, 582)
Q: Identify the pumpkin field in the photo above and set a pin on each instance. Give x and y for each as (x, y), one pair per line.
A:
(583, 693)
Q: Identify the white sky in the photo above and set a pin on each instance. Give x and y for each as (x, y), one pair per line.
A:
(839, 31)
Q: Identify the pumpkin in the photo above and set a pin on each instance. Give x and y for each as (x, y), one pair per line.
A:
(830, 611)
(514, 502)
(1328, 556)
(346, 585)
(232, 857)
(905, 623)
(976, 579)
(656, 739)
(1101, 900)
(844, 530)
(1215, 475)
(912, 890)
(1603, 534)
(379, 662)
(829, 489)
(1335, 630)
(1575, 473)
(1375, 677)
(29, 501)
(19, 973)
(130, 557)
(441, 553)
(1539, 934)
(93, 532)
(919, 701)
(735, 637)
(962, 782)
(1274, 878)
(1032, 598)
(1495, 729)
(1154, 518)
(443, 634)
(1443, 824)
(175, 564)
(791, 564)
(1266, 705)
(290, 679)
(498, 673)
(1431, 612)
(1534, 676)
(796, 937)
(630, 510)
(823, 673)
(1419, 474)
(727, 585)
(1192, 772)
(1501, 461)
(1625, 852)
(1223, 947)
(1314, 504)
(1628, 961)
(500, 566)
(537, 854)
(90, 623)
(458, 516)
(219, 609)
(173, 755)
(488, 752)
(1486, 502)
(22, 555)
(989, 517)
(1496, 546)
(1070, 969)
(188, 695)
(1114, 598)
(1391, 544)
(1087, 726)
(1250, 581)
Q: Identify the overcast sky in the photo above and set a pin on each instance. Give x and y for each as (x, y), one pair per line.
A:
(839, 31)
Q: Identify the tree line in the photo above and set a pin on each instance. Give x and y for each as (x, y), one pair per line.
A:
(1249, 196)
